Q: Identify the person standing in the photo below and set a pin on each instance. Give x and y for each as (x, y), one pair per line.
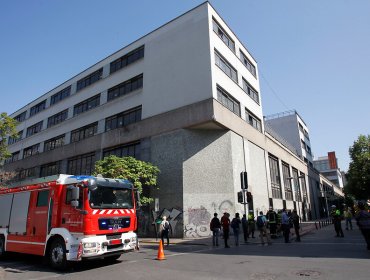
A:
(337, 221)
(245, 228)
(262, 227)
(348, 216)
(295, 218)
(271, 216)
(225, 222)
(285, 225)
(251, 223)
(215, 227)
(363, 222)
(235, 225)
(165, 228)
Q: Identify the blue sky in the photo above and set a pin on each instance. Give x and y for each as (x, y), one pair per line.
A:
(313, 56)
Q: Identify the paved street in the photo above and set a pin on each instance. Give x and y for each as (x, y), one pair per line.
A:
(320, 255)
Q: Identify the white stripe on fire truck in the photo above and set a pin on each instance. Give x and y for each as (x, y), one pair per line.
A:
(95, 211)
(132, 210)
(101, 212)
(109, 211)
(24, 242)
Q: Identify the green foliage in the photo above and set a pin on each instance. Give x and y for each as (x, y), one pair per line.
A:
(358, 175)
(7, 128)
(140, 173)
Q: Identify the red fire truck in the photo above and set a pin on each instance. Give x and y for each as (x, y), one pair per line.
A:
(69, 218)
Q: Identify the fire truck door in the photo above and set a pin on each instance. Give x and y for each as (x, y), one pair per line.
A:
(72, 216)
(38, 223)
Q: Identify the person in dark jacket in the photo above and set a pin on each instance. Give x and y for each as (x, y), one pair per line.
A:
(225, 223)
(363, 222)
(337, 221)
(295, 219)
(271, 217)
(215, 227)
(245, 228)
(235, 225)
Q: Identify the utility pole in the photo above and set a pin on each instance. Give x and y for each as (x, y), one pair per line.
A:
(244, 187)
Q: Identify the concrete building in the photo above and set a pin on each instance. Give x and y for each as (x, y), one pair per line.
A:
(328, 166)
(291, 127)
(185, 97)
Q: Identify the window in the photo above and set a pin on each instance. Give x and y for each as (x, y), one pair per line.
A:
(125, 87)
(127, 59)
(223, 35)
(83, 164)
(42, 198)
(13, 157)
(90, 79)
(308, 149)
(30, 151)
(12, 140)
(226, 67)
(58, 118)
(49, 169)
(303, 144)
(123, 119)
(27, 173)
(131, 149)
(287, 182)
(86, 105)
(84, 132)
(248, 64)
(229, 102)
(37, 108)
(253, 120)
(301, 127)
(21, 117)
(36, 128)
(304, 189)
(54, 143)
(64, 93)
(296, 185)
(275, 177)
(251, 91)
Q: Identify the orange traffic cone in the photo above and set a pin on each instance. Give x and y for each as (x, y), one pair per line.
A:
(160, 255)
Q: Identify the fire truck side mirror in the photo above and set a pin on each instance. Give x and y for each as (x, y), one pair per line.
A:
(92, 186)
(73, 194)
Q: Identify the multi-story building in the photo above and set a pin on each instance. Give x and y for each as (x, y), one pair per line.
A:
(328, 166)
(291, 127)
(185, 97)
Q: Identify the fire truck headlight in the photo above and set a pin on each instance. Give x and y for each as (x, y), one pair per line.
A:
(89, 245)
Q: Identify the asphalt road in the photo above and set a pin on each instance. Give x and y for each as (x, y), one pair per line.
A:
(320, 255)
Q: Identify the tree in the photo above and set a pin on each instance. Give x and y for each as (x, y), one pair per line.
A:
(7, 128)
(140, 173)
(7, 178)
(358, 174)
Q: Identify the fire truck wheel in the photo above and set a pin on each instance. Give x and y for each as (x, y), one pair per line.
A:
(2, 246)
(57, 254)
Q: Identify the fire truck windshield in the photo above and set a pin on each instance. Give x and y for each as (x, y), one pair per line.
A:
(110, 197)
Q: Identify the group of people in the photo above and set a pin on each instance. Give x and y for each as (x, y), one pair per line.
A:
(273, 224)
(362, 218)
(268, 225)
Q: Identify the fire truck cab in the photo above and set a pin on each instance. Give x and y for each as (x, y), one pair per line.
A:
(69, 218)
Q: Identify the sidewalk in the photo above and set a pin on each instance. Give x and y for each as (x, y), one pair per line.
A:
(306, 227)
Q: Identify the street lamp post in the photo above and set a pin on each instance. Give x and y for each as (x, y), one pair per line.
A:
(296, 186)
(326, 200)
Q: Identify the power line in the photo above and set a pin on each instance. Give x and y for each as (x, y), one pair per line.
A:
(273, 91)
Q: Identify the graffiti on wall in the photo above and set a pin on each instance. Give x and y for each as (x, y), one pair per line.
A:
(198, 225)
(199, 218)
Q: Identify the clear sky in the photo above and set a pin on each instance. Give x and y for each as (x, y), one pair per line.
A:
(313, 56)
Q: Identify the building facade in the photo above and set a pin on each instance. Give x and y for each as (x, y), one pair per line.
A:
(185, 97)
